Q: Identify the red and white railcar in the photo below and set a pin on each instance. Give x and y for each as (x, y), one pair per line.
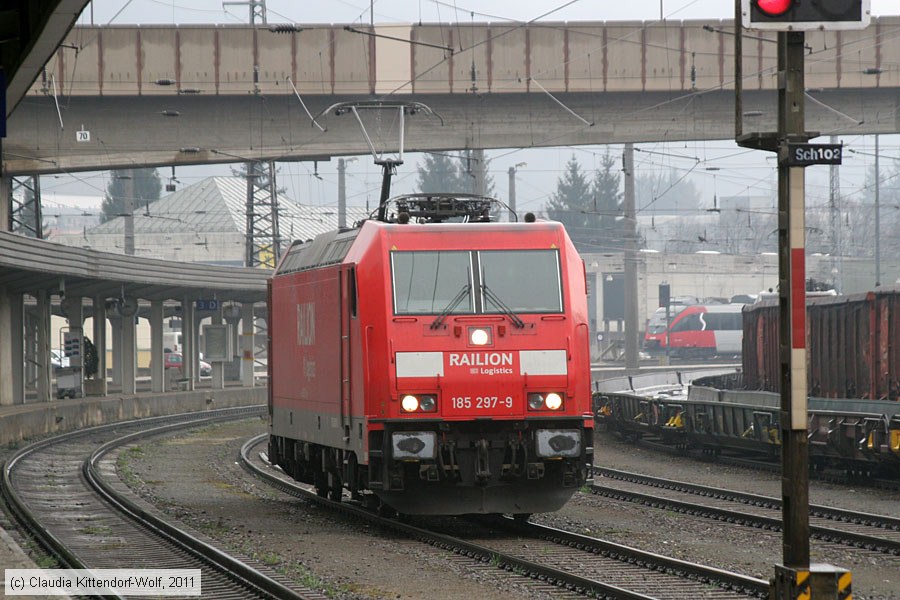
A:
(705, 331)
(439, 368)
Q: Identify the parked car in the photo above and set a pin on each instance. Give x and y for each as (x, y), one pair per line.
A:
(174, 360)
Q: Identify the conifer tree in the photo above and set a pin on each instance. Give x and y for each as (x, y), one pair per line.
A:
(147, 187)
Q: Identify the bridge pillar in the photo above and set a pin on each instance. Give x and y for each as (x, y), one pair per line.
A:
(99, 314)
(157, 355)
(248, 360)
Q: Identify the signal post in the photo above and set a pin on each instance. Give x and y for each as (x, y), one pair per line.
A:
(795, 578)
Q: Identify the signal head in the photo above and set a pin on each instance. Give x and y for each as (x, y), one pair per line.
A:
(774, 8)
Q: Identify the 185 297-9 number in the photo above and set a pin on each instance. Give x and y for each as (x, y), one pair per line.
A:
(481, 402)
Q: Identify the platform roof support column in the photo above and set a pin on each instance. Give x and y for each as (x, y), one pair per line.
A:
(43, 345)
(218, 368)
(157, 358)
(100, 343)
(12, 388)
(232, 316)
(248, 359)
(8, 359)
(72, 309)
(116, 322)
(30, 348)
(17, 369)
(189, 334)
(127, 354)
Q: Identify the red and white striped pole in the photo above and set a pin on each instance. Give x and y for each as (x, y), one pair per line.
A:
(792, 303)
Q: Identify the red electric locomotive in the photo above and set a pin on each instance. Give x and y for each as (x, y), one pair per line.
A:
(437, 367)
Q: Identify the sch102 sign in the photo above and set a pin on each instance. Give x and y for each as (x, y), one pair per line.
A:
(804, 155)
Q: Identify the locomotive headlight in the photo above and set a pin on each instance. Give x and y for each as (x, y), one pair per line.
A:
(427, 403)
(479, 336)
(421, 403)
(409, 403)
(545, 401)
(535, 401)
(553, 401)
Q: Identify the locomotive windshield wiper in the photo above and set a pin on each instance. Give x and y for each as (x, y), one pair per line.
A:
(453, 304)
(490, 295)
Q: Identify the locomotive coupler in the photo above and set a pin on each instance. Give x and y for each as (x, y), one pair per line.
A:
(515, 459)
(482, 460)
(447, 460)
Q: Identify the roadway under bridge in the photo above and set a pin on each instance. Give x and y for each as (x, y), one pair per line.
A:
(203, 94)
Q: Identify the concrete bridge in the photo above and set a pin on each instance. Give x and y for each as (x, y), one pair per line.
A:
(120, 96)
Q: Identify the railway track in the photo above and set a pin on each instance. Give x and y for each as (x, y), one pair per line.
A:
(66, 492)
(544, 556)
(872, 532)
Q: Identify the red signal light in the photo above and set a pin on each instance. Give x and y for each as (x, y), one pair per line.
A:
(774, 8)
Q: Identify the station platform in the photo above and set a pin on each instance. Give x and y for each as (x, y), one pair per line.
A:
(23, 422)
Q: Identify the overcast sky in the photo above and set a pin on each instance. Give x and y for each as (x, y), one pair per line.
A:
(724, 170)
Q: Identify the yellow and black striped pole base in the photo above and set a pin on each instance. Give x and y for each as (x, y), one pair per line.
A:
(818, 582)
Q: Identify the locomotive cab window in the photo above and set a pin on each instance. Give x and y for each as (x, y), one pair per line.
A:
(524, 280)
(430, 282)
(487, 281)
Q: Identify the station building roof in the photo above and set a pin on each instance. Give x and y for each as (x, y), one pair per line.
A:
(218, 205)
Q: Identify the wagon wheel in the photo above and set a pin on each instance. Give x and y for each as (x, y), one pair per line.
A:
(335, 490)
(321, 484)
(385, 510)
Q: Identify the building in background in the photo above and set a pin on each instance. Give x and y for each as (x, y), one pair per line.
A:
(205, 222)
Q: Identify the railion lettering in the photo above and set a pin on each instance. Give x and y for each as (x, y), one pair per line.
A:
(481, 359)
